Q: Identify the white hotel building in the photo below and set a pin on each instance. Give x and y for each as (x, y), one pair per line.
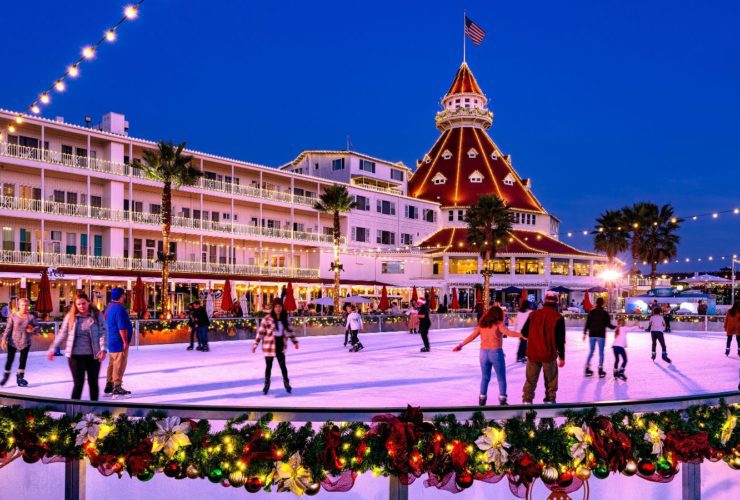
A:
(70, 200)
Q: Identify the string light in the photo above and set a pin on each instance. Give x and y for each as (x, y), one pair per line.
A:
(88, 53)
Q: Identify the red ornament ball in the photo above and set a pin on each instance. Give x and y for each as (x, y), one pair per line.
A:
(464, 480)
(172, 469)
(646, 467)
(565, 479)
(253, 485)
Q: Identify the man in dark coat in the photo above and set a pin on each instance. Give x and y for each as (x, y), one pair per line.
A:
(425, 323)
(597, 322)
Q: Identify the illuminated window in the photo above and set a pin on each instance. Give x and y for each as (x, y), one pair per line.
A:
(439, 179)
(476, 177)
(446, 154)
(427, 159)
(529, 266)
(501, 266)
(472, 153)
(509, 180)
(581, 268)
(392, 267)
(559, 267)
(463, 265)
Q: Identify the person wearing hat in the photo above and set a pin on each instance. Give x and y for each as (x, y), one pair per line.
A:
(120, 331)
(425, 323)
(545, 333)
(272, 332)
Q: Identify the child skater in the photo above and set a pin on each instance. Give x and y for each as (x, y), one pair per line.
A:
(354, 325)
(619, 347)
(656, 326)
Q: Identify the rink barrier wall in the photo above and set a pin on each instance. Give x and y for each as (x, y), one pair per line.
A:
(155, 332)
(76, 470)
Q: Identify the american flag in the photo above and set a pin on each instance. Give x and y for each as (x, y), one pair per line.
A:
(474, 32)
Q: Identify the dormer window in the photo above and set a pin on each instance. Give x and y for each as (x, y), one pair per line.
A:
(446, 154)
(427, 159)
(494, 155)
(476, 177)
(472, 153)
(509, 180)
(439, 179)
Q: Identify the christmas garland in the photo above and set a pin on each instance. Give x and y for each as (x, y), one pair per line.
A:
(453, 454)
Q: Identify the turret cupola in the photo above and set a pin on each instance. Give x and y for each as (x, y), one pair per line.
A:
(464, 105)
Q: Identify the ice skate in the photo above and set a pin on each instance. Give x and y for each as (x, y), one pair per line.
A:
(482, 400)
(120, 393)
(622, 376)
(666, 358)
(266, 388)
(502, 400)
(589, 372)
(653, 356)
(602, 373)
(424, 349)
(22, 382)
(108, 390)
(6, 376)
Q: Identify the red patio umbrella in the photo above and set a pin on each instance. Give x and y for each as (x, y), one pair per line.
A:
(384, 302)
(139, 306)
(587, 306)
(523, 297)
(414, 296)
(43, 301)
(227, 302)
(432, 300)
(455, 303)
(289, 301)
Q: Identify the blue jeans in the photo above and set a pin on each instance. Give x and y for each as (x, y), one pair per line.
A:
(594, 341)
(203, 335)
(492, 358)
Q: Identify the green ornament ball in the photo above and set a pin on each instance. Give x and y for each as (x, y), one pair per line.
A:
(215, 475)
(601, 471)
(147, 475)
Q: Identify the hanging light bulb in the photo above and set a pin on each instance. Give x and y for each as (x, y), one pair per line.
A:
(59, 86)
(44, 98)
(73, 70)
(11, 129)
(88, 52)
(130, 12)
(110, 36)
(35, 109)
(19, 119)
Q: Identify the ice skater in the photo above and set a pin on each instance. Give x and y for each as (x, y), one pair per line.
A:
(413, 319)
(17, 338)
(202, 322)
(491, 330)
(425, 323)
(354, 325)
(347, 311)
(619, 347)
(656, 326)
(597, 322)
(732, 327)
(272, 332)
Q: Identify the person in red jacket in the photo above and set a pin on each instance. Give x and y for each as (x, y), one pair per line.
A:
(545, 333)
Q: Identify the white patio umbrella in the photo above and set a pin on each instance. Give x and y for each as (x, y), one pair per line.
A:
(706, 279)
(323, 301)
(356, 299)
(244, 305)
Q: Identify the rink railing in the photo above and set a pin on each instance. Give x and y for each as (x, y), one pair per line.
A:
(76, 469)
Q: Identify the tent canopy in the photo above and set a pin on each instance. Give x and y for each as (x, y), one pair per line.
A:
(560, 289)
(511, 289)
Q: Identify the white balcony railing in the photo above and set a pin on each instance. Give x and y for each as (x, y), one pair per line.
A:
(108, 214)
(46, 259)
(124, 169)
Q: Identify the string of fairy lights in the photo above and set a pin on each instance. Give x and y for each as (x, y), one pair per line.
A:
(59, 85)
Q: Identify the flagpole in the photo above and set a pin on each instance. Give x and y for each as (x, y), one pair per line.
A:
(465, 15)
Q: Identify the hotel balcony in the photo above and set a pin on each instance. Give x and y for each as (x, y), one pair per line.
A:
(102, 214)
(91, 262)
(126, 170)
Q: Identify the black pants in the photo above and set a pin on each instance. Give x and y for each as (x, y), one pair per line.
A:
(619, 352)
(24, 357)
(280, 355)
(346, 335)
(354, 339)
(81, 365)
(424, 331)
(192, 336)
(658, 337)
(729, 344)
(667, 319)
(521, 352)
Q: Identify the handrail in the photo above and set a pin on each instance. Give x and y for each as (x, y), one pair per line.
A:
(365, 414)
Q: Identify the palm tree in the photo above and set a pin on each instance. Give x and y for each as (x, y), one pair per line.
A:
(489, 225)
(660, 241)
(611, 237)
(169, 166)
(335, 200)
(638, 217)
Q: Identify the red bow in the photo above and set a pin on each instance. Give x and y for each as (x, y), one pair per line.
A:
(609, 445)
(688, 447)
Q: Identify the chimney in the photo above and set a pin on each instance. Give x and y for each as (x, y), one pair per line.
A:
(115, 123)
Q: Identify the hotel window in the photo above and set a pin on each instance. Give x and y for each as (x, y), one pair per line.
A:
(476, 177)
(367, 166)
(71, 244)
(396, 175)
(386, 207)
(412, 212)
(472, 153)
(446, 154)
(407, 239)
(362, 203)
(461, 215)
(437, 265)
(337, 164)
(9, 190)
(534, 219)
(599, 267)
(392, 267)
(71, 198)
(139, 206)
(83, 244)
(328, 231)
(559, 267)
(298, 226)
(56, 242)
(8, 240)
(529, 266)
(501, 266)
(315, 166)
(185, 213)
(96, 201)
(439, 179)
(429, 215)
(516, 217)
(137, 248)
(58, 196)
(581, 268)
(67, 150)
(509, 180)
(150, 246)
(212, 254)
(463, 265)
(451, 215)
(98, 245)
(361, 234)
(155, 208)
(386, 237)
(125, 248)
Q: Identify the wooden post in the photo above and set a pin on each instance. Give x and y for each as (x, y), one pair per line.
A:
(396, 490)
(691, 482)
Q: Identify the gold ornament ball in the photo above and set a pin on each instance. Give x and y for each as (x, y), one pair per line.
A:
(630, 468)
(549, 475)
(735, 463)
(237, 479)
(192, 472)
(313, 489)
(583, 473)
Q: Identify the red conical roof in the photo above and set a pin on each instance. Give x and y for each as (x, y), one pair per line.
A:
(464, 82)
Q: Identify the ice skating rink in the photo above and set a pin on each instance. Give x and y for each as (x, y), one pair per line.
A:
(391, 371)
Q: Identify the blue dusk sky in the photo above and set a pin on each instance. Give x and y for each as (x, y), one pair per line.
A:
(601, 103)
